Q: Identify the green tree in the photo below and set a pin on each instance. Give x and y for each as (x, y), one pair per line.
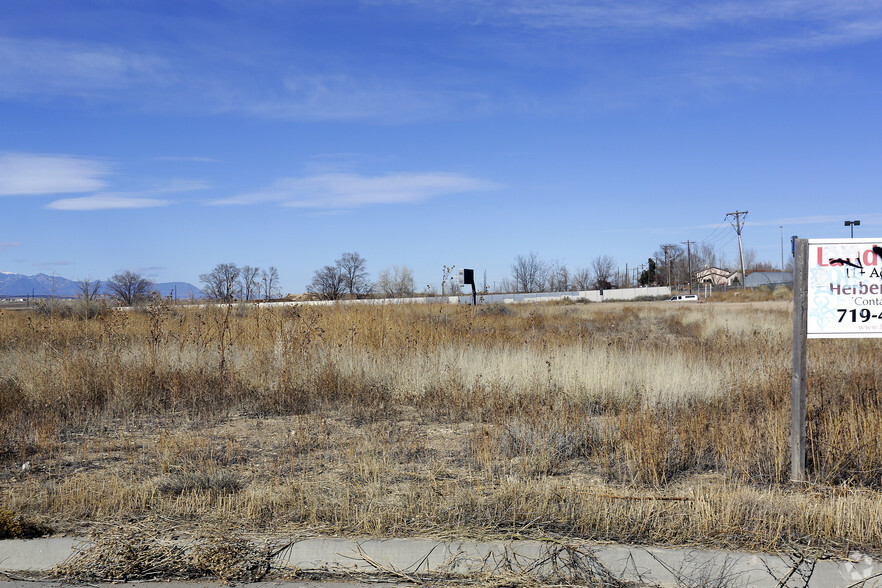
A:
(648, 276)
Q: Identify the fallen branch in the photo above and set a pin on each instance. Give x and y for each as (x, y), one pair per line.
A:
(617, 497)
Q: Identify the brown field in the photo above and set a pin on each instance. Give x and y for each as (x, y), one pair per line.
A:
(631, 422)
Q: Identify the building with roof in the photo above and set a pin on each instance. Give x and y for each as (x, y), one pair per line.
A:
(713, 275)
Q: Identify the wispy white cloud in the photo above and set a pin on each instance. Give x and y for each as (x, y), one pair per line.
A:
(660, 17)
(346, 191)
(463, 58)
(106, 201)
(354, 96)
(176, 186)
(122, 200)
(822, 219)
(23, 174)
(50, 66)
(152, 271)
(62, 263)
(813, 39)
(193, 159)
(4, 245)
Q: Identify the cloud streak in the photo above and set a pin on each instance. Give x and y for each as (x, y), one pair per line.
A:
(128, 200)
(482, 61)
(334, 191)
(107, 201)
(23, 174)
(50, 66)
(650, 15)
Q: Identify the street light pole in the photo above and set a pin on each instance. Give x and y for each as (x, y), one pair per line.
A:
(852, 224)
(782, 250)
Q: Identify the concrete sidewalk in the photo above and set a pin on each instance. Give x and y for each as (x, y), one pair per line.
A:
(404, 558)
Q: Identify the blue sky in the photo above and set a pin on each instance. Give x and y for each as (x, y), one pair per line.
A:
(168, 137)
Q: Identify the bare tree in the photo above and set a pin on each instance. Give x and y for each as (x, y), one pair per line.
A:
(269, 282)
(88, 289)
(750, 259)
(705, 256)
(355, 276)
(249, 286)
(222, 283)
(385, 284)
(396, 283)
(603, 269)
(529, 273)
(671, 262)
(129, 288)
(582, 279)
(327, 282)
(763, 266)
(559, 278)
(88, 294)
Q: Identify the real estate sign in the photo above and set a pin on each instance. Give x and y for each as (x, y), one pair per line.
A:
(844, 288)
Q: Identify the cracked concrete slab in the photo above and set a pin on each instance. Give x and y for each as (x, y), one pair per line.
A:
(649, 565)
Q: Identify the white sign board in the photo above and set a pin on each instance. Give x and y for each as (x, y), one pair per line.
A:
(844, 288)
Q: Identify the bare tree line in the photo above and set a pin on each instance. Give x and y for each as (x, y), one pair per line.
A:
(126, 287)
(530, 273)
(228, 282)
(348, 276)
(670, 264)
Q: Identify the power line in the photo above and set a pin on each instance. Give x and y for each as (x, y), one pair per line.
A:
(717, 233)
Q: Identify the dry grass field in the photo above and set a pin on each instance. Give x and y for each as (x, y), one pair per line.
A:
(634, 422)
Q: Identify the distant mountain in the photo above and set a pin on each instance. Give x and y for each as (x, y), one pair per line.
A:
(179, 290)
(38, 285)
(43, 285)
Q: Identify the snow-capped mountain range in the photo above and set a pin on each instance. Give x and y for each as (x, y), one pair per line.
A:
(14, 285)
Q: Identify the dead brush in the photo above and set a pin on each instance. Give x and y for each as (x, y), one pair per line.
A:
(538, 450)
(562, 563)
(216, 482)
(14, 526)
(137, 553)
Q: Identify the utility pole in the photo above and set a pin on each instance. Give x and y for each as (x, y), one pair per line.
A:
(689, 258)
(737, 224)
(668, 262)
(782, 250)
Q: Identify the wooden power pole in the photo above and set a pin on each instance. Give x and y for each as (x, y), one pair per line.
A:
(689, 260)
(738, 225)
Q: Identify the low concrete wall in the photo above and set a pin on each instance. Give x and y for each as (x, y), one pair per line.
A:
(615, 294)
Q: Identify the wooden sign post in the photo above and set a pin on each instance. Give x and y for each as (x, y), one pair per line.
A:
(800, 307)
(837, 293)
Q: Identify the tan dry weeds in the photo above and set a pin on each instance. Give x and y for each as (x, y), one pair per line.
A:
(645, 423)
(151, 552)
